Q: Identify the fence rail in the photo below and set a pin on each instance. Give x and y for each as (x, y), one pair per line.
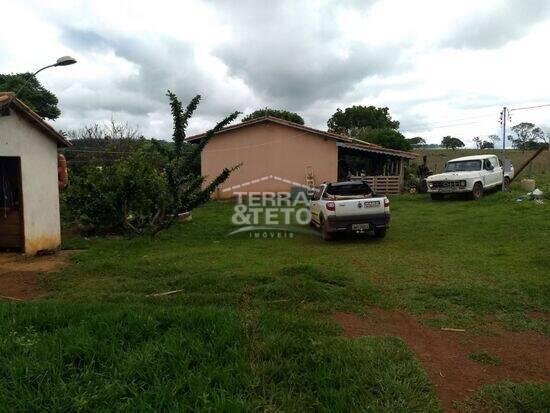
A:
(381, 184)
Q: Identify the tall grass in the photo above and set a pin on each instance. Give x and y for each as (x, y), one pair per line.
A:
(251, 328)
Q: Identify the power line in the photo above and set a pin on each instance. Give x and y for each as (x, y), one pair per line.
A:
(531, 107)
(442, 126)
(453, 120)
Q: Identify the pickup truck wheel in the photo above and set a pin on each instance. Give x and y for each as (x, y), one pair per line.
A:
(477, 191)
(436, 197)
(506, 183)
(380, 233)
(327, 235)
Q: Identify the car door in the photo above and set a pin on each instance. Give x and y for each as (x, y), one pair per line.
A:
(487, 173)
(314, 204)
(496, 173)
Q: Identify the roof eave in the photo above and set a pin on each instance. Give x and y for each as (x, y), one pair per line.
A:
(13, 102)
(380, 149)
(278, 121)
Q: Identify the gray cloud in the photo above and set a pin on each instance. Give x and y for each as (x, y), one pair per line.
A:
(283, 60)
(163, 63)
(496, 26)
(84, 39)
(292, 53)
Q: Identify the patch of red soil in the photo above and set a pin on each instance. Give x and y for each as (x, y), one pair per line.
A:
(21, 277)
(540, 315)
(21, 286)
(525, 356)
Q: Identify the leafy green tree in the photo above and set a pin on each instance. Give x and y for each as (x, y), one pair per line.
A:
(493, 138)
(416, 141)
(276, 113)
(544, 137)
(185, 183)
(451, 142)
(34, 95)
(527, 136)
(344, 121)
(388, 138)
(101, 144)
(477, 141)
(487, 145)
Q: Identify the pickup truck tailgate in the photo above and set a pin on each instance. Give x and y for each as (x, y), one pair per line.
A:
(351, 208)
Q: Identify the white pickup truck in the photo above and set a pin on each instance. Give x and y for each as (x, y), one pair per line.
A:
(349, 207)
(471, 175)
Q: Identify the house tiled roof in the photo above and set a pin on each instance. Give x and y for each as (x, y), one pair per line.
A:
(8, 99)
(272, 119)
(349, 142)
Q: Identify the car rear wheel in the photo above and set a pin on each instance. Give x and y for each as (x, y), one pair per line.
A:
(327, 235)
(380, 233)
(477, 191)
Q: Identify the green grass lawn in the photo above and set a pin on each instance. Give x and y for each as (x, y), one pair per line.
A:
(251, 329)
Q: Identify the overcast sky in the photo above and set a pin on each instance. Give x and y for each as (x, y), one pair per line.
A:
(434, 63)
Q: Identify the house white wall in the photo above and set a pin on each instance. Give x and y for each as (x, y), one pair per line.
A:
(38, 153)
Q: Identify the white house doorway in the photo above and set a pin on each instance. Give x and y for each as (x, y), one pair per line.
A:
(11, 205)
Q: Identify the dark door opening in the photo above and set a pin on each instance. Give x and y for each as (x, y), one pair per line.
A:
(11, 204)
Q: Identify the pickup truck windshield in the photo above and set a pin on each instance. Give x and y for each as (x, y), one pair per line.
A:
(463, 166)
(352, 190)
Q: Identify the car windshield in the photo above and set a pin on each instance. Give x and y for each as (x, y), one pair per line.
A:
(348, 190)
(463, 166)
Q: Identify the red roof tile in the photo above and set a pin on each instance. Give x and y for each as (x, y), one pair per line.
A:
(339, 138)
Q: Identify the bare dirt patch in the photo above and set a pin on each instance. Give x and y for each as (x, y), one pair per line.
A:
(21, 277)
(525, 355)
(539, 315)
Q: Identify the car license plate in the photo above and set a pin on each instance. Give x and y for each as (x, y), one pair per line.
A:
(360, 227)
(372, 204)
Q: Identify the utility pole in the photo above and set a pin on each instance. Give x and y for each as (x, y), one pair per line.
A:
(504, 115)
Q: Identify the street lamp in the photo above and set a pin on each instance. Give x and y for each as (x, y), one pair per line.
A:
(62, 61)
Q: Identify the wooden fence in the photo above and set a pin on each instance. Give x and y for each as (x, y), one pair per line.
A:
(382, 184)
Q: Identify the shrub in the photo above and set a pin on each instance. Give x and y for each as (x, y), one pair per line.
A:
(145, 192)
(120, 196)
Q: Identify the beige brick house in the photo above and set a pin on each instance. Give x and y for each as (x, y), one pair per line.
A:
(276, 155)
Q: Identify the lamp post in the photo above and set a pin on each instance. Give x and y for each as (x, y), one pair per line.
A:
(62, 61)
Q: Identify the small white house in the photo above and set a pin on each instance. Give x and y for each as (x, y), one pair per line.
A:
(29, 192)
